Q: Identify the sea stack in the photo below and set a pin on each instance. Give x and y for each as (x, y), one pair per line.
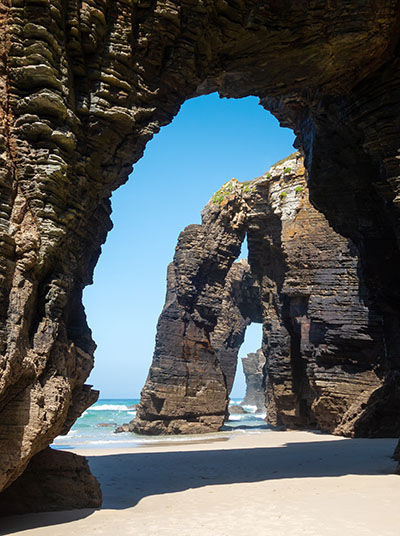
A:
(253, 366)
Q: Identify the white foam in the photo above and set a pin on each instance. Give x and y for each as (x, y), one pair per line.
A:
(236, 417)
(131, 412)
(110, 441)
(253, 409)
(71, 434)
(109, 407)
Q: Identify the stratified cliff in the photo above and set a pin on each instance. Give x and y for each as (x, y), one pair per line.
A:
(210, 301)
(323, 342)
(85, 85)
(253, 366)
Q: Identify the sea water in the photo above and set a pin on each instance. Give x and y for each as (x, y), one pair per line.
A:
(89, 430)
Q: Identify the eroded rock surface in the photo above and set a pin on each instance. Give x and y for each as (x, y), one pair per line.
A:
(85, 85)
(253, 366)
(53, 480)
(200, 330)
(237, 410)
(323, 341)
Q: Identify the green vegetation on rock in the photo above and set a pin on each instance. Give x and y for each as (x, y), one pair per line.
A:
(224, 191)
(217, 199)
(290, 157)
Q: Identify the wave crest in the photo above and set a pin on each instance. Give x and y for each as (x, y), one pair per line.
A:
(109, 407)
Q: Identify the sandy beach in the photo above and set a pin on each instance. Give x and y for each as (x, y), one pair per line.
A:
(274, 483)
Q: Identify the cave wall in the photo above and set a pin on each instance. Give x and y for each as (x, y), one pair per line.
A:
(53, 480)
(85, 85)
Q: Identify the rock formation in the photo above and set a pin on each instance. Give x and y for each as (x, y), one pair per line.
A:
(253, 366)
(85, 85)
(210, 301)
(53, 480)
(326, 366)
(322, 339)
(237, 410)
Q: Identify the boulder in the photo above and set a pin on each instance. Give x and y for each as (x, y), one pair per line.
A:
(237, 410)
(53, 480)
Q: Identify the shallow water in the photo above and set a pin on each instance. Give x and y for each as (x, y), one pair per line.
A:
(86, 432)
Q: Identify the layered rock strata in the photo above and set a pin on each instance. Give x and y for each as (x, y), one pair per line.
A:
(253, 368)
(323, 340)
(53, 480)
(210, 301)
(326, 364)
(85, 85)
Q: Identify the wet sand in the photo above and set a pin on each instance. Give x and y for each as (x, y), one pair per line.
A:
(265, 483)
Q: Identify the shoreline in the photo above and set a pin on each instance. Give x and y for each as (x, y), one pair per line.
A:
(268, 482)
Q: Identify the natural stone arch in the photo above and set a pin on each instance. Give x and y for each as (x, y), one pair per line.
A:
(323, 341)
(85, 86)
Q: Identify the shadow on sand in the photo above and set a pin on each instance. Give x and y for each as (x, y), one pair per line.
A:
(127, 478)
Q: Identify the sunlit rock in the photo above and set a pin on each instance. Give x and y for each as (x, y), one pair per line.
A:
(85, 85)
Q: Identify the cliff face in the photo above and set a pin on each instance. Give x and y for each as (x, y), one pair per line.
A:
(210, 301)
(253, 366)
(85, 85)
(326, 365)
(323, 339)
(53, 480)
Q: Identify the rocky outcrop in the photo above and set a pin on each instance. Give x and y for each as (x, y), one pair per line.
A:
(85, 85)
(210, 301)
(322, 338)
(53, 480)
(237, 410)
(253, 366)
(326, 364)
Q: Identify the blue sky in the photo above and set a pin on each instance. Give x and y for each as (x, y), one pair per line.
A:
(208, 142)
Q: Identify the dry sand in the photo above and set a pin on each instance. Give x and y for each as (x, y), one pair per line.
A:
(266, 483)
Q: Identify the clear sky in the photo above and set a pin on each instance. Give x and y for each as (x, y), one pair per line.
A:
(208, 142)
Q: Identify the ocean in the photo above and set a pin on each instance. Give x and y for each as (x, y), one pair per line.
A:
(89, 430)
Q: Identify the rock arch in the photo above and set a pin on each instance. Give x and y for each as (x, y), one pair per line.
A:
(323, 342)
(86, 85)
